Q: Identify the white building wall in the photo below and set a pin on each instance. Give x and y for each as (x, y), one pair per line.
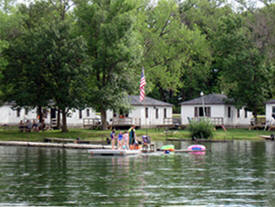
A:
(74, 119)
(268, 112)
(186, 111)
(138, 113)
(218, 111)
(10, 116)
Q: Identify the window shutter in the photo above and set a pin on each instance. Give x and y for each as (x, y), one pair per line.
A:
(196, 111)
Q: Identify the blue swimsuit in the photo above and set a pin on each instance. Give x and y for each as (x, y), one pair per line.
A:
(120, 136)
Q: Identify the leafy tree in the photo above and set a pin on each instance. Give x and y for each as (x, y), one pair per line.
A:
(176, 57)
(113, 51)
(244, 76)
(203, 15)
(66, 72)
(6, 5)
(45, 62)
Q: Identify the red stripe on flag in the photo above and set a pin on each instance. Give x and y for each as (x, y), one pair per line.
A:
(141, 86)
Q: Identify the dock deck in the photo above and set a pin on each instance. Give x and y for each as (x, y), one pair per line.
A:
(110, 152)
(57, 145)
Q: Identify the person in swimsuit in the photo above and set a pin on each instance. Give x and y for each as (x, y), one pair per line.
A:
(126, 140)
(132, 135)
(120, 140)
(113, 137)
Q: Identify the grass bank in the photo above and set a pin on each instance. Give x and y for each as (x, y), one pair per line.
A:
(13, 134)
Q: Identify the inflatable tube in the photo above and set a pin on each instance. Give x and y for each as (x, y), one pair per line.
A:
(196, 148)
(170, 148)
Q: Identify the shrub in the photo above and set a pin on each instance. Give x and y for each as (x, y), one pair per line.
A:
(201, 129)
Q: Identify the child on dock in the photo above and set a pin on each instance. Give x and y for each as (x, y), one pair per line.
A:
(126, 140)
(113, 137)
(120, 140)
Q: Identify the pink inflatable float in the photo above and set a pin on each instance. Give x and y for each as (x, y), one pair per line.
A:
(196, 148)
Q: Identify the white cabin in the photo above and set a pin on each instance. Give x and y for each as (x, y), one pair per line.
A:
(148, 113)
(270, 112)
(217, 108)
(12, 117)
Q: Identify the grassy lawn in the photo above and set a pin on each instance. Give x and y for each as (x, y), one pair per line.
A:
(13, 134)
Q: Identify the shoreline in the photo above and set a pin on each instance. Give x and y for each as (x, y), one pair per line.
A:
(54, 145)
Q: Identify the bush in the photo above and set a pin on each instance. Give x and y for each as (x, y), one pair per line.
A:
(201, 129)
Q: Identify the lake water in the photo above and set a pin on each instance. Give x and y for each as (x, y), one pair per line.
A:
(239, 173)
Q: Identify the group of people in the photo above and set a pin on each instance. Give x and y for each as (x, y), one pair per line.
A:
(125, 140)
(28, 126)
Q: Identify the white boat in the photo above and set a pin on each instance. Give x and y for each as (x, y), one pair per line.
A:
(111, 152)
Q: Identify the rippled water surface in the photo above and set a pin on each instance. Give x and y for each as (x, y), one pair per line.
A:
(237, 173)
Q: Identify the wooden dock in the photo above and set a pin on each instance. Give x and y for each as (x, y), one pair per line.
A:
(110, 152)
(56, 145)
(198, 140)
(70, 140)
(267, 137)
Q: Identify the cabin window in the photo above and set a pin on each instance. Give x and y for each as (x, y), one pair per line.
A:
(88, 112)
(157, 113)
(18, 112)
(165, 113)
(207, 111)
(245, 113)
(273, 112)
(238, 113)
(200, 113)
(229, 112)
(80, 114)
(146, 112)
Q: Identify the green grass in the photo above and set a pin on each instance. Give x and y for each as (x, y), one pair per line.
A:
(13, 134)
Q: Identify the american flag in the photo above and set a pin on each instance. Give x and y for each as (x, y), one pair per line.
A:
(141, 86)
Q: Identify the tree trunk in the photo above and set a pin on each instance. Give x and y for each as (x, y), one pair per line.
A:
(64, 121)
(255, 116)
(103, 119)
(58, 119)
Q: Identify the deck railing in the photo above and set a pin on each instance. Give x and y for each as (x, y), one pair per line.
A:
(127, 121)
(87, 122)
(216, 121)
(168, 121)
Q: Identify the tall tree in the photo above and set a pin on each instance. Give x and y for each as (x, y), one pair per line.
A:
(176, 57)
(244, 76)
(113, 51)
(45, 62)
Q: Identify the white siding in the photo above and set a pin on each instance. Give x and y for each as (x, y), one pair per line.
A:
(9, 116)
(138, 113)
(186, 111)
(268, 112)
(218, 111)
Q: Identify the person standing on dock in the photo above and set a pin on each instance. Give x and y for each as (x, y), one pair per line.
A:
(132, 135)
(113, 138)
(125, 141)
(119, 140)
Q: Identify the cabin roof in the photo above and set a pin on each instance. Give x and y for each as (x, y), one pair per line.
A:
(214, 99)
(272, 101)
(134, 100)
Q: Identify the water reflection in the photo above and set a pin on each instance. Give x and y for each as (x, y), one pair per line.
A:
(232, 174)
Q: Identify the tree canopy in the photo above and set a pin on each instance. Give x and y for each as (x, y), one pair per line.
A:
(71, 54)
